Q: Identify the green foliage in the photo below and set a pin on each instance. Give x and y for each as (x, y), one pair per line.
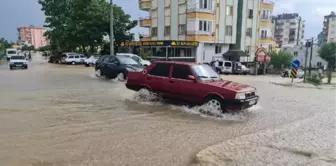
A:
(328, 53)
(4, 44)
(145, 54)
(28, 48)
(81, 24)
(281, 59)
(315, 79)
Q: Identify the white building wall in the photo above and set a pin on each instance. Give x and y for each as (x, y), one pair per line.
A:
(332, 30)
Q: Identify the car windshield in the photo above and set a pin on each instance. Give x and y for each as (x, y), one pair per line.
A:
(127, 60)
(17, 57)
(205, 72)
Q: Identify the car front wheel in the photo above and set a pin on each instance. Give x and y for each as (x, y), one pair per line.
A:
(98, 73)
(121, 77)
(214, 106)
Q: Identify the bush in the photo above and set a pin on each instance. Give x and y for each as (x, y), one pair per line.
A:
(315, 79)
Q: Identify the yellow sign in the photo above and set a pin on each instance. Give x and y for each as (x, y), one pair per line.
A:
(160, 43)
(293, 73)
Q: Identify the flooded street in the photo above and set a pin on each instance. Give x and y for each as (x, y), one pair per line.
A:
(53, 115)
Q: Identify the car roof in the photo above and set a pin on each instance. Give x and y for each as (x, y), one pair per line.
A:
(177, 63)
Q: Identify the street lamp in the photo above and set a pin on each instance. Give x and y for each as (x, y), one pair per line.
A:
(111, 30)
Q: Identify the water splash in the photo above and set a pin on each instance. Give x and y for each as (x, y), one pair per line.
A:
(146, 97)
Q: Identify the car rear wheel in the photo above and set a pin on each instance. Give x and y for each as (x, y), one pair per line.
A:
(73, 63)
(214, 105)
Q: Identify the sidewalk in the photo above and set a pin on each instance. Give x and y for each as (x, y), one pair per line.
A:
(300, 84)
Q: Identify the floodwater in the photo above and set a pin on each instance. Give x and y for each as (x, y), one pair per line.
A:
(63, 115)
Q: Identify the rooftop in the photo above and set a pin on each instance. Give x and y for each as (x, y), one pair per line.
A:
(288, 16)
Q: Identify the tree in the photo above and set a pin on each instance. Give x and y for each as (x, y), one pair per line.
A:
(281, 59)
(328, 53)
(4, 44)
(82, 24)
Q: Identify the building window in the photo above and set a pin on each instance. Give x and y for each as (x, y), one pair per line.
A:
(295, 53)
(182, 29)
(154, 32)
(167, 31)
(228, 30)
(249, 32)
(250, 13)
(229, 10)
(248, 50)
(319, 64)
(205, 26)
(218, 49)
(205, 4)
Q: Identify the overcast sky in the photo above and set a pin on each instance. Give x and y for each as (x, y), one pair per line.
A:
(15, 13)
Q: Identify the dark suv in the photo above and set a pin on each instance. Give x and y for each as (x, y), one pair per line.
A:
(112, 67)
(194, 83)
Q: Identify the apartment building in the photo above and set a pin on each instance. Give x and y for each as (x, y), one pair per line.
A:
(267, 26)
(289, 29)
(328, 33)
(201, 30)
(32, 35)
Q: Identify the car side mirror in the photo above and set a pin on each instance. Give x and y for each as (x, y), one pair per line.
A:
(191, 77)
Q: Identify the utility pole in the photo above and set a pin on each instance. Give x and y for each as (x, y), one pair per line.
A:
(311, 55)
(306, 56)
(111, 30)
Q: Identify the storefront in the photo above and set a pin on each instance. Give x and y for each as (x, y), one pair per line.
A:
(166, 50)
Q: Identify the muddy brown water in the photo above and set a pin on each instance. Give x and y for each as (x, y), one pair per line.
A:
(63, 115)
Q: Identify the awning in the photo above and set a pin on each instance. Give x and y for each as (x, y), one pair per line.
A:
(234, 55)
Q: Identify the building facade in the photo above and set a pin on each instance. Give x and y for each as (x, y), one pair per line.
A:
(218, 25)
(266, 30)
(299, 53)
(32, 35)
(328, 33)
(289, 29)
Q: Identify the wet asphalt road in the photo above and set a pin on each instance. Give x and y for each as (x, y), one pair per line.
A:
(62, 115)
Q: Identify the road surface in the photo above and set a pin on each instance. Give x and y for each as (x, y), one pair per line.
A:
(62, 115)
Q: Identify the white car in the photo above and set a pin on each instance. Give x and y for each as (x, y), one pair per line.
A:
(245, 70)
(11, 52)
(91, 61)
(75, 59)
(18, 61)
(136, 58)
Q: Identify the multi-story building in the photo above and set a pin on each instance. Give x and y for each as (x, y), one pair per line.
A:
(289, 29)
(299, 53)
(328, 33)
(32, 35)
(221, 28)
(266, 29)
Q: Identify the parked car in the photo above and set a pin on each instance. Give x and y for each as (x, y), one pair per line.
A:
(245, 70)
(286, 73)
(18, 61)
(112, 67)
(194, 83)
(65, 55)
(225, 67)
(74, 59)
(136, 58)
(91, 61)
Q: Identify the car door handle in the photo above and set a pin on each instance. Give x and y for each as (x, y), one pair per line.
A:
(171, 81)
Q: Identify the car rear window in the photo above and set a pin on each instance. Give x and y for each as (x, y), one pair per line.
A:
(71, 57)
(77, 56)
(181, 72)
(160, 69)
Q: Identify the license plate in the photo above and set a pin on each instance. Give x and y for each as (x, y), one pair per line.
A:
(19, 65)
(252, 102)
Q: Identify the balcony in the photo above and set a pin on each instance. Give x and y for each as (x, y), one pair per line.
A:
(267, 5)
(198, 10)
(145, 21)
(145, 37)
(266, 39)
(145, 5)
